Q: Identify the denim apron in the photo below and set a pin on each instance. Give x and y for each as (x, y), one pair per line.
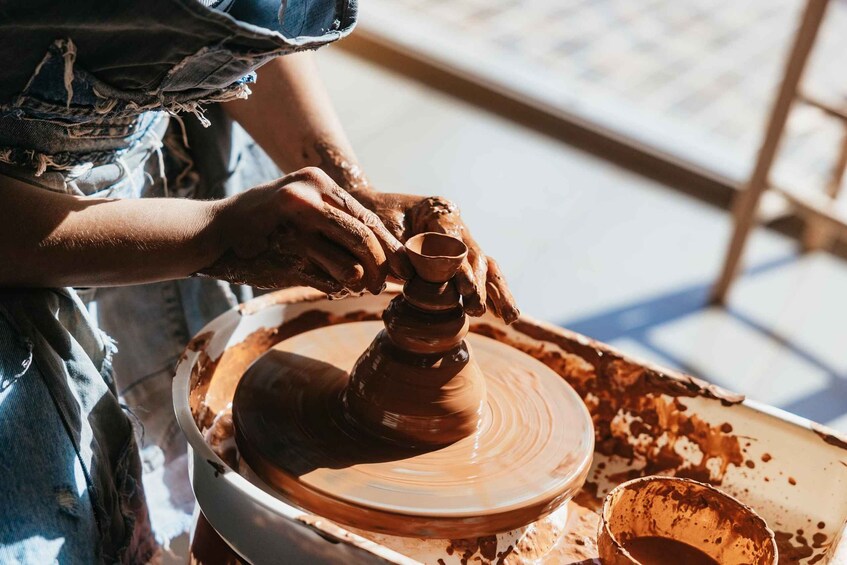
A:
(89, 97)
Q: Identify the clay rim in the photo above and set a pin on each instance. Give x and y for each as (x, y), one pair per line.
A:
(416, 243)
(607, 510)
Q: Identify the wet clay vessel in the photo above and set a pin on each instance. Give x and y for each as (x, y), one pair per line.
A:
(656, 509)
(418, 384)
(429, 433)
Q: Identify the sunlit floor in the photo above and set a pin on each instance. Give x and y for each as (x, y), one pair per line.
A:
(598, 249)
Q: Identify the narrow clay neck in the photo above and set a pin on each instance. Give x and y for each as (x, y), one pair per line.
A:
(429, 318)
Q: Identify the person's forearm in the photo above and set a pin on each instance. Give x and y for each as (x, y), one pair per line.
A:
(292, 118)
(49, 239)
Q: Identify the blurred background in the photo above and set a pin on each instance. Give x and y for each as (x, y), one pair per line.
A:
(596, 148)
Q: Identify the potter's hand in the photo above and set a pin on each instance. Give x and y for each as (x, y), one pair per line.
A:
(303, 229)
(479, 280)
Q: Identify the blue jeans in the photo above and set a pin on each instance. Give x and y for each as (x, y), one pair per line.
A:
(70, 467)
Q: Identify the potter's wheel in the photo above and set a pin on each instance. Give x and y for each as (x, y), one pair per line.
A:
(529, 455)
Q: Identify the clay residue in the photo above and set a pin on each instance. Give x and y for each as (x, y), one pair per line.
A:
(650, 438)
(221, 438)
(201, 372)
(588, 498)
(601, 356)
(829, 436)
(637, 412)
(796, 546)
(198, 343)
(544, 543)
(485, 546)
(578, 546)
(203, 365)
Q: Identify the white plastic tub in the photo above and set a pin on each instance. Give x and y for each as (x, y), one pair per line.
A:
(791, 471)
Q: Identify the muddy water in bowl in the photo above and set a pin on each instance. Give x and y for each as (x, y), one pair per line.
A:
(667, 521)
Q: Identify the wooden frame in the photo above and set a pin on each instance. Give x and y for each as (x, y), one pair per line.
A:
(817, 209)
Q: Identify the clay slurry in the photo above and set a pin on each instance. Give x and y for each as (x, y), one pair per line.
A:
(657, 550)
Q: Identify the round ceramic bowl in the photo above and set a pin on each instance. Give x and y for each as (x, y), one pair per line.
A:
(253, 519)
(686, 511)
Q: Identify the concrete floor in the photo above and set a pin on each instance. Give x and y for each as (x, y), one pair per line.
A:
(603, 251)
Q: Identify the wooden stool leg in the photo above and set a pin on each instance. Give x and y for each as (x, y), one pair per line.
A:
(818, 235)
(747, 202)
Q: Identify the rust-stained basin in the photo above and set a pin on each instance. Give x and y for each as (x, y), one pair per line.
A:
(647, 421)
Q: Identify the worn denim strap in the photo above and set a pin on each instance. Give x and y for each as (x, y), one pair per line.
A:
(64, 345)
(80, 82)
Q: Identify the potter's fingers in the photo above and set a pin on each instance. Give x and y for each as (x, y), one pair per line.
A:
(493, 300)
(491, 305)
(271, 271)
(499, 294)
(436, 214)
(274, 270)
(337, 263)
(471, 301)
(394, 250)
(472, 290)
(356, 238)
(313, 276)
(473, 276)
(394, 279)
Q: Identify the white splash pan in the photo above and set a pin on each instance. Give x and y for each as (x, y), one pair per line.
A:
(263, 528)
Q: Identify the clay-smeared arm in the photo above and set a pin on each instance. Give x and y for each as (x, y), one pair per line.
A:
(48, 239)
(290, 115)
(302, 229)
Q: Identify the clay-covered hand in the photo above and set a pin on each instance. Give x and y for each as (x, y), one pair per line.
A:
(479, 280)
(303, 229)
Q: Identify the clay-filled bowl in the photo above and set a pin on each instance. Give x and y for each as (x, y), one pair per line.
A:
(687, 511)
(435, 256)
